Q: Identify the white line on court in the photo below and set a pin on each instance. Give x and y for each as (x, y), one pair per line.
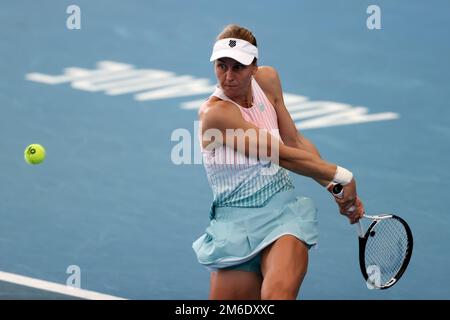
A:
(116, 78)
(55, 287)
(105, 68)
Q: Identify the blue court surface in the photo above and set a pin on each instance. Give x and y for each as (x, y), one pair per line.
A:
(105, 99)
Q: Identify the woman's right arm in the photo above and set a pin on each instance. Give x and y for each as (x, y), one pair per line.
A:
(244, 137)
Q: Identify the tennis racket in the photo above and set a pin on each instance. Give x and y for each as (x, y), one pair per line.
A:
(384, 249)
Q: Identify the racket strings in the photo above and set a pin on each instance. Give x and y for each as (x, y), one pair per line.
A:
(386, 250)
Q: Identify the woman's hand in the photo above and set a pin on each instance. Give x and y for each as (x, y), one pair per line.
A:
(349, 203)
(355, 212)
(348, 199)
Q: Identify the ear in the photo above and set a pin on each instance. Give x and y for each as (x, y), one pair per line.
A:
(254, 69)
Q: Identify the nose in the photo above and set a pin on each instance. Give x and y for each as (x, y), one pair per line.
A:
(229, 75)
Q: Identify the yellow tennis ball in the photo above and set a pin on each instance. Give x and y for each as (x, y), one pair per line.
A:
(34, 154)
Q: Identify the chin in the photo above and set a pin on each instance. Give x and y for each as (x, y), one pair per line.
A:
(232, 90)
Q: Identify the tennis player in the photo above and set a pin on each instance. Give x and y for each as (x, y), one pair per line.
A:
(260, 231)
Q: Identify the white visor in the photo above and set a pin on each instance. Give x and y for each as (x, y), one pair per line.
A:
(237, 49)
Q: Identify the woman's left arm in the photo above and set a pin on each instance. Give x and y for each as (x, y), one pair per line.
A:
(289, 134)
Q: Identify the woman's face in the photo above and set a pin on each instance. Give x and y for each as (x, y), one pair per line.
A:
(234, 77)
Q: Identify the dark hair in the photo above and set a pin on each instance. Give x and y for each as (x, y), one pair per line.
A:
(238, 32)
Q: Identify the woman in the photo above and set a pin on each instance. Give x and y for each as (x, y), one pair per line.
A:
(260, 232)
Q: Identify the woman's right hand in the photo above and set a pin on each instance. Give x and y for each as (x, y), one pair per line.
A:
(349, 198)
(350, 205)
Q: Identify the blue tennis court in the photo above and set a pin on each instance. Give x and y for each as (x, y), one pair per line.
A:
(105, 99)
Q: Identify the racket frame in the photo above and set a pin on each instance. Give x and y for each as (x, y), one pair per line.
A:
(337, 191)
(362, 247)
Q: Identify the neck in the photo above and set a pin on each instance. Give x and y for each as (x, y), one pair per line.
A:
(245, 100)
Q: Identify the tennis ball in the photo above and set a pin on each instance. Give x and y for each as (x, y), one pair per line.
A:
(34, 154)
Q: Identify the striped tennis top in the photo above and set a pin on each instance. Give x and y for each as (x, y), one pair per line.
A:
(237, 180)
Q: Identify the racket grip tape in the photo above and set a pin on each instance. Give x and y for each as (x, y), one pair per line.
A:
(338, 191)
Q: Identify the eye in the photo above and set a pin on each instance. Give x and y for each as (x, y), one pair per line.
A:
(221, 66)
(238, 67)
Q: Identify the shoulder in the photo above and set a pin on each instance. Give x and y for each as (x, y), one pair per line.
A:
(214, 113)
(269, 81)
(266, 73)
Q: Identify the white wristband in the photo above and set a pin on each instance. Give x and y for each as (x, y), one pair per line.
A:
(342, 176)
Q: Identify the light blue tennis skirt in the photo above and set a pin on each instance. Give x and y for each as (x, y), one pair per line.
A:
(237, 234)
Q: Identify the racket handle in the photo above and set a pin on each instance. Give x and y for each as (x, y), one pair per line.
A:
(360, 229)
(338, 191)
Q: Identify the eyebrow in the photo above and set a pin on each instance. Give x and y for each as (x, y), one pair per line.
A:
(236, 63)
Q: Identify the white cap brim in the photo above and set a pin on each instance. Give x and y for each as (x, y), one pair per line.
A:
(239, 56)
(237, 49)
